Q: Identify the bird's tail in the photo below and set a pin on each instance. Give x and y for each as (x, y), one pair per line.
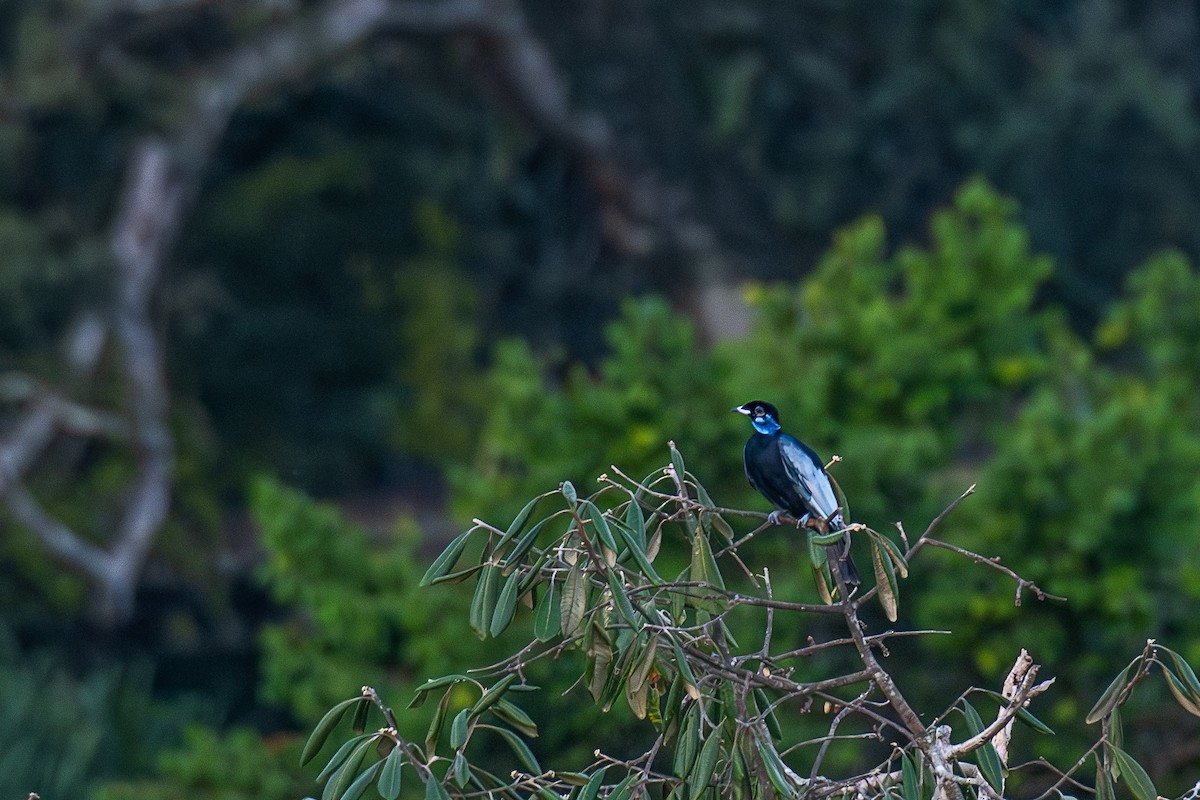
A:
(843, 562)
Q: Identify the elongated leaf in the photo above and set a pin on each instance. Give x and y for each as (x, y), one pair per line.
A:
(1108, 700)
(592, 789)
(518, 523)
(435, 683)
(356, 789)
(506, 604)
(1180, 691)
(892, 550)
(677, 462)
(764, 706)
(389, 776)
(568, 491)
(460, 728)
(435, 725)
(645, 662)
(460, 770)
(1134, 775)
(706, 763)
(359, 721)
(989, 760)
(639, 555)
(688, 744)
(493, 695)
(445, 562)
(826, 539)
(343, 777)
(519, 747)
(483, 602)
(1105, 790)
(1185, 673)
(624, 790)
(636, 523)
(521, 548)
(1024, 715)
(685, 670)
(547, 618)
(325, 727)
(340, 756)
(704, 569)
(600, 524)
(910, 779)
(621, 599)
(574, 600)
(434, 789)
(775, 770)
(509, 712)
(885, 580)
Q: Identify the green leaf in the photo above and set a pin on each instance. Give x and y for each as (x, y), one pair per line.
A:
(910, 780)
(600, 524)
(677, 462)
(764, 705)
(989, 760)
(621, 599)
(568, 491)
(1108, 700)
(704, 569)
(1105, 790)
(325, 727)
(892, 550)
(526, 544)
(685, 669)
(389, 776)
(435, 726)
(434, 789)
(706, 763)
(359, 723)
(574, 599)
(493, 695)
(775, 770)
(1023, 714)
(509, 712)
(518, 523)
(519, 747)
(636, 523)
(1180, 691)
(688, 743)
(460, 770)
(826, 539)
(342, 778)
(460, 728)
(483, 602)
(592, 789)
(1134, 775)
(885, 580)
(637, 550)
(356, 789)
(549, 612)
(340, 756)
(1186, 673)
(435, 683)
(506, 605)
(445, 562)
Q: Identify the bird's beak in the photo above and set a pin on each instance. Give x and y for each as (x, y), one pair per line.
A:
(741, 410)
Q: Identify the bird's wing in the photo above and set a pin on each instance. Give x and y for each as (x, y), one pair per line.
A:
(803, 466)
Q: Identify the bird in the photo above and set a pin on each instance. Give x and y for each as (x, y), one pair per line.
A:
(790, 474)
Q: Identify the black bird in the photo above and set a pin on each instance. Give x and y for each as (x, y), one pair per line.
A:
(787, 472)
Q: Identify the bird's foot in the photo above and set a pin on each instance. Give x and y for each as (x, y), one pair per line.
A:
(774, 517)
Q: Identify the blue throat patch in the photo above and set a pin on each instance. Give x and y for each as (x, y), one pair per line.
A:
(766, 424)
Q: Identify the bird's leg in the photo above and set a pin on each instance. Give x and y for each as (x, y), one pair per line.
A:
(774, 516)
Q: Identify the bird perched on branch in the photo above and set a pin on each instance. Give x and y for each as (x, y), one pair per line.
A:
(787, 472)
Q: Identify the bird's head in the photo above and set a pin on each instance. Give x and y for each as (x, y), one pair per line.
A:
(764, 415)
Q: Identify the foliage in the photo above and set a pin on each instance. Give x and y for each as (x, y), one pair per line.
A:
(694, 656)
(62, 733)
(926, 370)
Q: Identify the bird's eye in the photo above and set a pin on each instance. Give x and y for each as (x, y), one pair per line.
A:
(759, 411)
